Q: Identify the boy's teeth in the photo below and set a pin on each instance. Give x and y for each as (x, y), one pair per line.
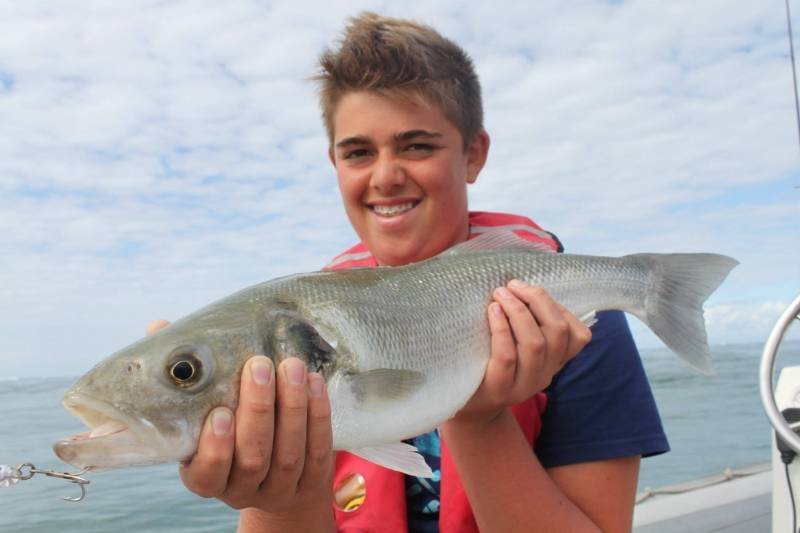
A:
(392, 210)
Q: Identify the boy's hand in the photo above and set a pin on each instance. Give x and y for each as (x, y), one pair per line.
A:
(532, 337)
(275, 453)
(279, 459)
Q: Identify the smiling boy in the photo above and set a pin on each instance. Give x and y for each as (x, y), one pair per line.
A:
(403, 170)
(402, 109)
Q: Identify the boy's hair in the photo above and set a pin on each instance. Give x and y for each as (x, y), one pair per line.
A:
(401, 59)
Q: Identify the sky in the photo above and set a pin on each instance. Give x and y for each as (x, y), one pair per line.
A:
(158, 155)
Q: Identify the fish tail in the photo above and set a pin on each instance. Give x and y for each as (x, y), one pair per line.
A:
(673, 305)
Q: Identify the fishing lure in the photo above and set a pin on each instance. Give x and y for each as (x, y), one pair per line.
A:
(12, 475)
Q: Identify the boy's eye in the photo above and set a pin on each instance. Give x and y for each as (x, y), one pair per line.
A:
(355, 154)
(420, 147)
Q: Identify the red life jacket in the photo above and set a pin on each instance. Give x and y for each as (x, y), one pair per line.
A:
(384, 507)
(479, 222)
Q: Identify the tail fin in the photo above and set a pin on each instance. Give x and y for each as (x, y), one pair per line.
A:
(673, 307)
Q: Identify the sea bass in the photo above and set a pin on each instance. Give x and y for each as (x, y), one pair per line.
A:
(401, 349)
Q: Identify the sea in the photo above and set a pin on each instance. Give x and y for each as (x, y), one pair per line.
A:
(713, 423)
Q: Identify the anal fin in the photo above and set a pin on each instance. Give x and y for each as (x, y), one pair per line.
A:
(398, 456)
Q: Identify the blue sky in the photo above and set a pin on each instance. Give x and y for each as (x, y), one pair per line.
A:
(159, 155)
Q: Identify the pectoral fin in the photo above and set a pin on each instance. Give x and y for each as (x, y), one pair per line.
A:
(381, 385)
(398, 456)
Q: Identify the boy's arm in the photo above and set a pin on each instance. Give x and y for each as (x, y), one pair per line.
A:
(253, 520)
(532, 338)
(604, 490)
(509, 490)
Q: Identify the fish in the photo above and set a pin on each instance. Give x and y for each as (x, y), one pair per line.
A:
(401, 349)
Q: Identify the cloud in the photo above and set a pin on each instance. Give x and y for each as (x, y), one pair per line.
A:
(159, 155)
(732, 323)
(761, 317)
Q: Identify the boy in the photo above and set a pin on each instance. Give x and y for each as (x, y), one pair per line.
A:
(403, 113)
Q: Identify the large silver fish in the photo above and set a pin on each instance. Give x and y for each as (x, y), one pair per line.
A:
(401, 348)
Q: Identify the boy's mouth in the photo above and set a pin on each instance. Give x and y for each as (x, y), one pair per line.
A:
(390, 211)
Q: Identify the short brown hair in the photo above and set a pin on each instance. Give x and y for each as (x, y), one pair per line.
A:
(401, 58)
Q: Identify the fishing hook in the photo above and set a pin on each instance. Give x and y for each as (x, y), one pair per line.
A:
(72, 478)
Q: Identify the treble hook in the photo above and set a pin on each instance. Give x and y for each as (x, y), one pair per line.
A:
(72, 478)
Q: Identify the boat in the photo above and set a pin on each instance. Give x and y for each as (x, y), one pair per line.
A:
(755, 498)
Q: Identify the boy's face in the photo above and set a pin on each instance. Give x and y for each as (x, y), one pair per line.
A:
(403, 174)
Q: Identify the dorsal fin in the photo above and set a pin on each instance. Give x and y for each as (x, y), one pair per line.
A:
(502, 239)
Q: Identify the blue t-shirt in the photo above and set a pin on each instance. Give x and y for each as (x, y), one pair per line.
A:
(599, 407)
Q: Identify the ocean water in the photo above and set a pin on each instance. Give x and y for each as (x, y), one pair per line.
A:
(712, 423)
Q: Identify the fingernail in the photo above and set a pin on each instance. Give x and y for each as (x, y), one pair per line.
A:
(496, 309)
(261, 370)
(295, 372)
(316, 384)
(502, 292)
(517, 284)
(221, 421)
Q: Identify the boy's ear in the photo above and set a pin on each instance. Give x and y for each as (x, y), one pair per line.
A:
(477, 153)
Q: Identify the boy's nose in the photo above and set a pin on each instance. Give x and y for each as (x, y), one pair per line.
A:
(387, 174)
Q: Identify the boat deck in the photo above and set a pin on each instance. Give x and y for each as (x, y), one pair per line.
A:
(735, 503)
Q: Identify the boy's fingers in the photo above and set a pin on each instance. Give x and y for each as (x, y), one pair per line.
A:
(255, 426)
(207, 473)
(531, 344)
(156, 325)
(289, 448)
(580, 334)
(319, 444)
(554, 328)
(502, 366)
(524, 324)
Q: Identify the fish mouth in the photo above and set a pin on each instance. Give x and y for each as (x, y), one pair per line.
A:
(113, 439)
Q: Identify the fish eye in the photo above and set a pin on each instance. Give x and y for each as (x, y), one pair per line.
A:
(185, 368)
(182, 371)
(188, 367)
